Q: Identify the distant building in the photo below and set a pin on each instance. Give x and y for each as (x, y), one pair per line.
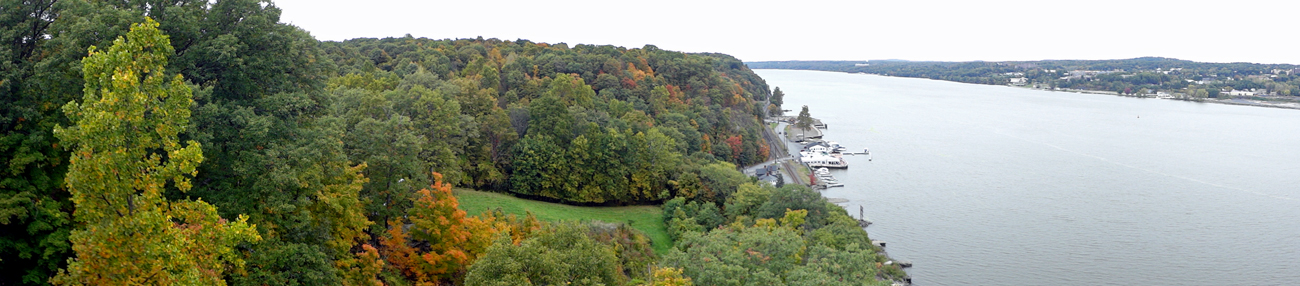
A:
(1018, 80)
(769, 170)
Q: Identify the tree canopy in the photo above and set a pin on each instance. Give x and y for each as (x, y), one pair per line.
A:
(125, 154)
(210, 143)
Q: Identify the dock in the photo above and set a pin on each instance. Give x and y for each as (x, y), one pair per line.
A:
(796, 134)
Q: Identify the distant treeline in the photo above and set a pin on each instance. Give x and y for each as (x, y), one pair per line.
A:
(1139, 76)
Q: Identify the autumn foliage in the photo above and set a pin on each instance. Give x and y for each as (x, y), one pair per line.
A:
(126, 154)
(440, 241)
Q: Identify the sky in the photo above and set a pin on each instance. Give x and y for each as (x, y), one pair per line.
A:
(919, 30)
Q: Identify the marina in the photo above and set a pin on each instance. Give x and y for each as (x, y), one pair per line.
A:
(821, 156)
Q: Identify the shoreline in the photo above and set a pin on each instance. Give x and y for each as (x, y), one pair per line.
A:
(790, 166)
(1248, 102)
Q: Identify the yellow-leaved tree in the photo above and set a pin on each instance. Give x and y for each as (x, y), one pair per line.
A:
(125, 155)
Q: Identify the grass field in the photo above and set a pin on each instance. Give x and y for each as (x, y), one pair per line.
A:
(647, 219)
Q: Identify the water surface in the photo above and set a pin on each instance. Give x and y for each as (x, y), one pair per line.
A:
(994, 185)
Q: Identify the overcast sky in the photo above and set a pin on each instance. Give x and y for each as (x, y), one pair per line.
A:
(1218, 31)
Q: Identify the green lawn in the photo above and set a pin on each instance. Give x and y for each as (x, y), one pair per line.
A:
(647, 219)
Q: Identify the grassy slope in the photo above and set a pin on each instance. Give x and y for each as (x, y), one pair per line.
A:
(647, 219)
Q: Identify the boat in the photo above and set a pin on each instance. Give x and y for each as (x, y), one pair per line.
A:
(822, 160)
(833, 184)
(823, 171)
(835, 147)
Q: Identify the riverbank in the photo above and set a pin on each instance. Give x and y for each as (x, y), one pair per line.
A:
(1248, 101)
(1257, 101)
(799, 173)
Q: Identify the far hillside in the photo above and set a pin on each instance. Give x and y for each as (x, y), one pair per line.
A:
(1148, 76)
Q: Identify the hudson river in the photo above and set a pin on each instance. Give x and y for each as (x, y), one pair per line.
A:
(994, 185)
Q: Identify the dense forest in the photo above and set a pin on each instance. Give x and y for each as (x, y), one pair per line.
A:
(206, 142)
(1139, 76)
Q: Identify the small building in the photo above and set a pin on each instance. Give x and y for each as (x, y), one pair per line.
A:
(1019, 80)
(766, 171)
(1241, 93)
(776, 180)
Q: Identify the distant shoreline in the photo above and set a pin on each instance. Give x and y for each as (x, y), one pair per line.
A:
(1235, 101)
(1242, 102)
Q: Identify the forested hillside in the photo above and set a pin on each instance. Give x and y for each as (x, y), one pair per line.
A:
(587, 124)
(206, 142)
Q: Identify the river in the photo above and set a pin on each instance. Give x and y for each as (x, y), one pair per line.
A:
(995, 185)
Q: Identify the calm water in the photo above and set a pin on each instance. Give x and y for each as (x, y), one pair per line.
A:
(990, 185)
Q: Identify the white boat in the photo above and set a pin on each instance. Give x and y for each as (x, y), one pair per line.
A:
(822, 159)
(823, 171)
(835, 147)
(833, 184)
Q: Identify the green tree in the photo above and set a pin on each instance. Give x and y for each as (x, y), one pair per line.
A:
(573, 90)
(778, 97)
(748, 197)
(35, 210)
(126, 153)
(652, 162)
(668, 276)
(551, 118)
(380, 136)
(803, 121)
(437, 118)
(738, 255)
(562, 254)
(795, 197)
(540, 169)
(826, 266)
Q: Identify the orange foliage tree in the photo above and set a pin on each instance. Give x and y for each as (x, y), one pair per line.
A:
(440, 241)
(737, 144)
